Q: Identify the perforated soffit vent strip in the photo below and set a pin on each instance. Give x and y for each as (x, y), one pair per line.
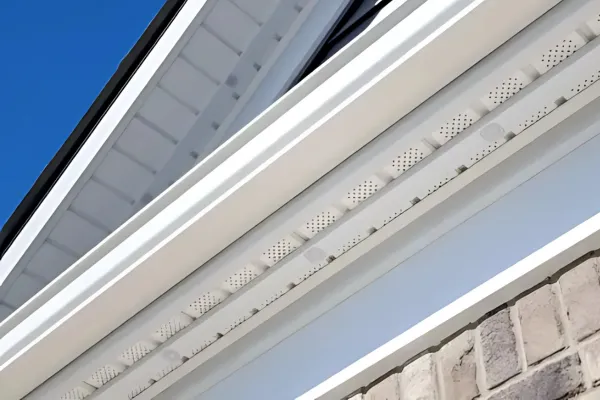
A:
(546, 82)
(41, 337)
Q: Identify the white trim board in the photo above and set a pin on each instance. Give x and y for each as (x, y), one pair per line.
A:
(285, 272)
(287, 143)
(314, 18)
(375, 253)
(395, 12)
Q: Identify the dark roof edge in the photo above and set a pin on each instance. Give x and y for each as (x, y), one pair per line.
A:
(85, 127)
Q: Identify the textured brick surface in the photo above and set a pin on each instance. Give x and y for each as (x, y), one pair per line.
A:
(581, 293)
(418, 380)
(388, 389)
(557, 380)
(541, 326)
(594, 394)
(499, 349)
(458, 368)
(591, 359)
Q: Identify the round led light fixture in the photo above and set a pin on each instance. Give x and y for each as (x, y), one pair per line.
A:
(492, 132)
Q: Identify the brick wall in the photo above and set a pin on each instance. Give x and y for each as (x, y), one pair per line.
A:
(544, 345)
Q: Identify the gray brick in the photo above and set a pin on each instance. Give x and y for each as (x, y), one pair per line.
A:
(499, 349)
(591, 359)
(458, 368)
(556, 380)
(590, 395)
(541, 326)
(418, 380)
(388, 389)
(356, 397)
(580, 288)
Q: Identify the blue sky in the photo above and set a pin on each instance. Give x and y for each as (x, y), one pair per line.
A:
(56, 57)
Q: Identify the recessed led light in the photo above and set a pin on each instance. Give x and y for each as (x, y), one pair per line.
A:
(492, 132)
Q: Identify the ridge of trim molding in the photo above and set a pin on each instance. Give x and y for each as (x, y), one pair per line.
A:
(317, 125)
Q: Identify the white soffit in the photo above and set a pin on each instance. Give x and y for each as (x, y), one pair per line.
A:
(454, 203)
(273, 271)
(376, 212)
(449, 29)
(299, 49)
(203, 70)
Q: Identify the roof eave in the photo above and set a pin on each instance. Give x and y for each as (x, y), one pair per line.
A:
(242, 177)
(127, 67)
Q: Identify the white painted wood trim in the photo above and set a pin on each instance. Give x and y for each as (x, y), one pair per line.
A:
(309, 128)
(175, 300)
(536, 149)
(445, 159)
(81, 167)
(398, 10)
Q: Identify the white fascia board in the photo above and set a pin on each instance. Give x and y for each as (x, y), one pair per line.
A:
(317, 126)
(554, 24)
(527, 102)
(288, 268)
(534, 150)
(394, 13)
(316, 14)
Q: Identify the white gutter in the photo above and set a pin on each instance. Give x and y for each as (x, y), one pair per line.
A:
(318, 126)
(392, 14)
(550, 86)
(513, 164)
